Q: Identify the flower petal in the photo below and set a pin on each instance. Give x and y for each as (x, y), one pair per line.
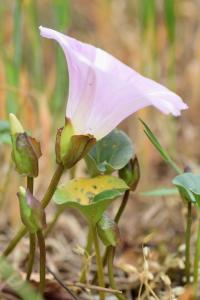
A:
(103, 91)
(81, 76)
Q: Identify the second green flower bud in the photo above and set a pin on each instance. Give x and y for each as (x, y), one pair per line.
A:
(25, 149)
(32, 214)
(131, 173)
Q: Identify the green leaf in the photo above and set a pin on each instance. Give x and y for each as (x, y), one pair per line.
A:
(147, 14)
(91, 196)
(108, 231)
(62, 16)
(189, 186)
(16, 282)
(166, 157)
(161, 192)
(109, 154)
(170, 19)
(5, 132)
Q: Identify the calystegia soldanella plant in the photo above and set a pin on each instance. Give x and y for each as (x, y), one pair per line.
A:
(102, 93)
(188, 186)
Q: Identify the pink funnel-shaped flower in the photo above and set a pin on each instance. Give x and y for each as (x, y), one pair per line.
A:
(103, 91)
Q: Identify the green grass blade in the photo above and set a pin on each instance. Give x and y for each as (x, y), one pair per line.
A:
(161, 192)
(17, 35)
(147, 14)
(35, 41)
(62, 17)
(166, 157)
(170, 19)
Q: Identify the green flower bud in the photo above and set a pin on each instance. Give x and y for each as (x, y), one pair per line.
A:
(15, 125)
(25, 149)
(108, 231)
(70, 148)
(32, 214)
(131, 173)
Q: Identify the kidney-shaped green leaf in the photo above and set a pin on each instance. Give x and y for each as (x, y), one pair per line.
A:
(109, 154)
(189, 186)
(91, 196)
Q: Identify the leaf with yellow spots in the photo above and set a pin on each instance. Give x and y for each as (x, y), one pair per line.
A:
(91, 196)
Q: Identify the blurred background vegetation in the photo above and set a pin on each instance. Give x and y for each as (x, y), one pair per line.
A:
(158, 38)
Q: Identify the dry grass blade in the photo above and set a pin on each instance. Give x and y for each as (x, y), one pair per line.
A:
(81, 285)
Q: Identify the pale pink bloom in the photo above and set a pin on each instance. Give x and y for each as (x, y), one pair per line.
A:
(103, 91)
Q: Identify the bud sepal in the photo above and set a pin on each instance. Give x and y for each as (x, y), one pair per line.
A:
(70, 148)
(131, 173)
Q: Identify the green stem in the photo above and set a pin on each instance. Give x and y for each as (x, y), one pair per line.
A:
(56, 216)
(52, 186)
(13, 243)
(30, 186)
(111, 253)
(197, 256)
(31, 255)
(59, 209)
(30, 183)
(41, 243)
(88, 249)
(187, 242)
(98, 260)
(45, 201)
(174, 166)
(122, 206)
(5, 185)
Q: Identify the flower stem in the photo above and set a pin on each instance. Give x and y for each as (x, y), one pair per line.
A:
(197, 256)
(111, 253)
(122, 206)
(41, 243)
(60, 209)
(52, 186)
(31, 255)
(13, 243)
(88, 249)
(5, 184)
(187, 242)
(45, 201)
(30, 184)
(30, 187)
(98, 260)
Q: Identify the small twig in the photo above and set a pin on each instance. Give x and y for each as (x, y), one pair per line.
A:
(61, 283)
(93, 287)
(81, 285)
(152, 291)
(8, 296)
